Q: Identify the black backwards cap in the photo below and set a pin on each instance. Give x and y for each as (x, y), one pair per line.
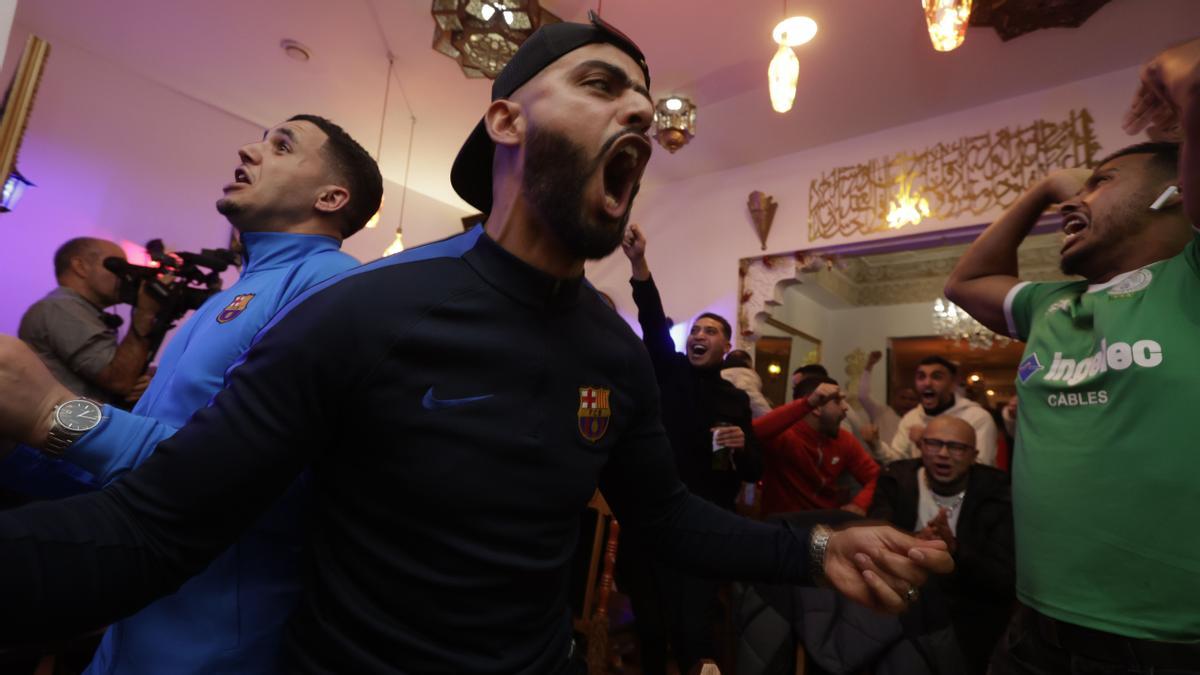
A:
(471, 175)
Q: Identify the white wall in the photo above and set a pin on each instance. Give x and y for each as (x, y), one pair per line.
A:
(117, 156)
(699, 228)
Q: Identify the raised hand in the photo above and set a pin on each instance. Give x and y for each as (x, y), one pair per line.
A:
(874, 358)
(824, 393)
(1059, 186)
(633, 244)
(1170, 84)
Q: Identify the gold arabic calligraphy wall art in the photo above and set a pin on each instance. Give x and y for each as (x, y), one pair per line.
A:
(972, 176)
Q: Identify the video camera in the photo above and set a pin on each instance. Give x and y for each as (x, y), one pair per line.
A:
(178, 281)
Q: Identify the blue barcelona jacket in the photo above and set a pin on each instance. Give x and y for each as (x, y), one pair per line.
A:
(230, 618)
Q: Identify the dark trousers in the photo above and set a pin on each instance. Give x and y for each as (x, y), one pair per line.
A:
(669, 607)
(1037, 645)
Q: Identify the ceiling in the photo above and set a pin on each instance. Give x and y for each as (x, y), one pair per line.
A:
(871, 66)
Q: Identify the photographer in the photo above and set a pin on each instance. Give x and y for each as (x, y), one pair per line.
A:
(77, 339)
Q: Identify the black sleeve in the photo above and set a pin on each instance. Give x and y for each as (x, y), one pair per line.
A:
(749, 460)
(83, 562)
(656, 332)
(651, 504)
(986, 560)
(883, 504)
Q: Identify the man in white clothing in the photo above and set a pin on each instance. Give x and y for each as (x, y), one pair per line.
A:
(934, 383)
(885, 420)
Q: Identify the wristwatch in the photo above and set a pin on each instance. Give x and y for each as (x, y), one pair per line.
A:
(817, 544)
(72, 419)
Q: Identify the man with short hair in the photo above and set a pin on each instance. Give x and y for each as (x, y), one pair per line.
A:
(805, 451)
(708, 422)
(1105, 461)
(459, 403)
(935, 380)
(947, 495)
(295, 194)
(77, 339)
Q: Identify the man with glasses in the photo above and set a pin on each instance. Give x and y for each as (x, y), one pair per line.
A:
(947, 495)
(805, 451)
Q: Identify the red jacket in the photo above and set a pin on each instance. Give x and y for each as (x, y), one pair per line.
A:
(801, 464)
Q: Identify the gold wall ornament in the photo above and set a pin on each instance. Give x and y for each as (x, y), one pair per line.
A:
(762, 213)
(975, 175)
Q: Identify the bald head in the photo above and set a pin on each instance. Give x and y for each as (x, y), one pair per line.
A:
(948, 451)
(950, 428)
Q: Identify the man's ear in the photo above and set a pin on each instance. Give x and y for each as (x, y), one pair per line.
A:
(331, 198)
(505, 122)
(79, 265)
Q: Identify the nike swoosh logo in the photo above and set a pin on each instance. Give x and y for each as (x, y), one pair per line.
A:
(429, 402)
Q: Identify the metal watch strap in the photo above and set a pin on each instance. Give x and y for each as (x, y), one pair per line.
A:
(59, 439)
(818, 542)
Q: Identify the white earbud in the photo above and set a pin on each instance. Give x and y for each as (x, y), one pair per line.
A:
(1171, 191)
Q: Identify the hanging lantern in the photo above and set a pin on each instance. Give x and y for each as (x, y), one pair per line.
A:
(674, 122)
(947, 21)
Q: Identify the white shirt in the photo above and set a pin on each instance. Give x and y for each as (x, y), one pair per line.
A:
(928, 506)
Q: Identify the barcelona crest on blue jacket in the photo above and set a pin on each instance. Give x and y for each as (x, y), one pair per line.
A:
(594, 412)
(235, 308)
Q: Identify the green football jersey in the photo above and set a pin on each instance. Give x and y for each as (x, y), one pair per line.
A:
(1106, 482)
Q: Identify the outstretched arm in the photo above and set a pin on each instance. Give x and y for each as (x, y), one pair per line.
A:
(83, 562)
(874, 566)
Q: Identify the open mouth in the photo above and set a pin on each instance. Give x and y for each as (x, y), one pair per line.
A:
(623, 171)
(1074, 225)
(698, 349)
(929, 397)
(240, 176)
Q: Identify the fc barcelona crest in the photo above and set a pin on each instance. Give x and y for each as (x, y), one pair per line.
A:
(594, 412)
(234, 309)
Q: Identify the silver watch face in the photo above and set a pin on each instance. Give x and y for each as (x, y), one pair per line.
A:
(78, 415)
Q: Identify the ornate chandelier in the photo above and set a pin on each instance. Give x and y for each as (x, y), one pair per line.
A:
(674, 122)
(953, 323)
(482, 35)
(947, 22)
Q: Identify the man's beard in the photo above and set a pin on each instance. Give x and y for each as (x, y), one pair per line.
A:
(556, 171)
(232, 211)
(1113, 233)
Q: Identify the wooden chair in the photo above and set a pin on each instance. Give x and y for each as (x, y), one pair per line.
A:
(593, 619)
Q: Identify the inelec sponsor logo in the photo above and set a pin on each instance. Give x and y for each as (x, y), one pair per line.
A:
(1115, 356)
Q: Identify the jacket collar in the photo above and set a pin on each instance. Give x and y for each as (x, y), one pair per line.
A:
(519, 280)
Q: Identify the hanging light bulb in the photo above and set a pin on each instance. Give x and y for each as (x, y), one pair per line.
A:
(784, 71)
(783, 74)
(396, 246)
(947, 21)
